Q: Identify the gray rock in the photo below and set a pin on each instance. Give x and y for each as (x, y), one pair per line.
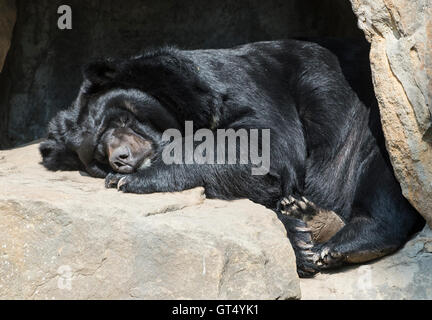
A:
(400, 33)
(405, 275)
(63, 236)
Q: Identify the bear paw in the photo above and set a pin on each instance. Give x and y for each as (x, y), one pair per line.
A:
(298, 208)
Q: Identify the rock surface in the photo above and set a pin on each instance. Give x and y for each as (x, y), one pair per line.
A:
(63, 236)
(404, 275)
(400, 32)
(7, 22)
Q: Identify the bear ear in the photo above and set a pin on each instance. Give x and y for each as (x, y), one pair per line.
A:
(56, 156)
(101, 71)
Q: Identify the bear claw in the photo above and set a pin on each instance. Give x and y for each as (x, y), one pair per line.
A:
(122, 182)
(326, 258)
(301, 208)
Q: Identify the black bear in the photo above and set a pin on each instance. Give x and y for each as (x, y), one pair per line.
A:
(325, 154)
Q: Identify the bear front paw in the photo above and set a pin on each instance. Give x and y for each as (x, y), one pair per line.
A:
(115, 181)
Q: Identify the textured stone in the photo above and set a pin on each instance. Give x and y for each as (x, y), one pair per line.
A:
(64, 236)
(400, 32)
(7, 22)
(404, 275)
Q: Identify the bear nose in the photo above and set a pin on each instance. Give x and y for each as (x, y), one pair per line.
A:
(121, 160)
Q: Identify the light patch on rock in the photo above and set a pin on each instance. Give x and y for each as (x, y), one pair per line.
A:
(403, 275)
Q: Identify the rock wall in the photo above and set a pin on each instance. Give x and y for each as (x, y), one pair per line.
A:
(400, 32)
(42, 73)
(7, 22)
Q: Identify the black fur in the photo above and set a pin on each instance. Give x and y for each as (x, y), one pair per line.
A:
(324, 145)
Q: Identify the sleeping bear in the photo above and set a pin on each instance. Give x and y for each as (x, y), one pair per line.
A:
(325, 144)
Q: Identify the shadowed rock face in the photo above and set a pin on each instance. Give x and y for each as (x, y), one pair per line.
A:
(64, 236)
(42, 74)
(400, 32)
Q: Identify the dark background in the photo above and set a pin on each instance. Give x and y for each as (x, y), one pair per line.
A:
(42, 71)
